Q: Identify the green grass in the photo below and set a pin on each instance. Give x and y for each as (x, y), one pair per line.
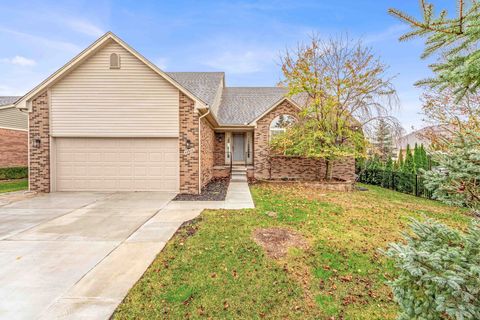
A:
(213, 269)
(13, 185)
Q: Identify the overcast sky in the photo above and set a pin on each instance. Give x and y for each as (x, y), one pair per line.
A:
(242, 38)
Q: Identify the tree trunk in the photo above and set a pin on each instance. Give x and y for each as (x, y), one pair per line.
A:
(329, 170)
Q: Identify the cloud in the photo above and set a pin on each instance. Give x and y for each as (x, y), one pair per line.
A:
(19, 61)
(42, 41)
(161, 62)
(393, 32)
(10, 91)
(83, 26)
(241, 61)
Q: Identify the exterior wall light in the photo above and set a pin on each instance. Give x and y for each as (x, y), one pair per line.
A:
(36, 142)
(188, 144)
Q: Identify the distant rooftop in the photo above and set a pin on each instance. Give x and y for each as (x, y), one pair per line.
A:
(6, 100)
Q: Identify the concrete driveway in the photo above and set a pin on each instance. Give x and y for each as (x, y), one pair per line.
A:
(76, 255)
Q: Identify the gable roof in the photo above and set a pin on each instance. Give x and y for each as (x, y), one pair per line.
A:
(228, 105)
(204, 85)
(244, 105)
(8, 100)
(109, 36)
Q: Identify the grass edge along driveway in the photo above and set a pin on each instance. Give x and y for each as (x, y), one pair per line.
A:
(13, 185)
(212, 268)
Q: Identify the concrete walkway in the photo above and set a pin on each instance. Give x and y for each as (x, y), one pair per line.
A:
(76, 255)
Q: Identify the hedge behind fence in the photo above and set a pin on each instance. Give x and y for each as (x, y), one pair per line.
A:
(13, 173)
(399, 181)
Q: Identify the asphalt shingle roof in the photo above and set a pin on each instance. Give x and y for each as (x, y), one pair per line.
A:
(242, 105)
(204, 85)
(6, 100)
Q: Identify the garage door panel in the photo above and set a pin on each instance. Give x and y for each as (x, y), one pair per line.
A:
(117, 164)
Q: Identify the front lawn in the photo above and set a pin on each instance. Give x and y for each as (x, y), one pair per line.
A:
(13, 185)
(213, 269)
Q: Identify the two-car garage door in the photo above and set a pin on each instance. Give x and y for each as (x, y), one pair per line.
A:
(116, 164)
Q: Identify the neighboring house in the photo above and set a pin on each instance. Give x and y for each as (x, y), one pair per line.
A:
(111, 120)
(421, 136)
(13, 134)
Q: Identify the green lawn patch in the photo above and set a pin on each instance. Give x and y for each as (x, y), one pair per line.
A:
(13, 185)
(219, 272)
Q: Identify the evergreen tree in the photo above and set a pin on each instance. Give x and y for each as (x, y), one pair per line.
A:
(456, 180)
(387, 173)
(383, 140)
(438, 272)
(406, 181)
(417, 157)
(457, 40)
(409, 165)
(425, 158)
(400, 162)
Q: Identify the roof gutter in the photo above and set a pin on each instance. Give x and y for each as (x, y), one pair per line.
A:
(7, 106)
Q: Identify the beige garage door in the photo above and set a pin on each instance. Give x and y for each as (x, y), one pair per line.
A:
(116, 164)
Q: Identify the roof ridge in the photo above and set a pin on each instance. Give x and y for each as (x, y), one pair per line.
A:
(195, 72)
(253, 87)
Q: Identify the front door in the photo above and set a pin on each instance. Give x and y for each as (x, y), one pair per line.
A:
(238, 147)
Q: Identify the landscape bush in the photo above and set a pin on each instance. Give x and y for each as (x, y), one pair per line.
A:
(13, 173)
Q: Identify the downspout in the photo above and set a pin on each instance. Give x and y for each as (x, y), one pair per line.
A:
(200, 151)
(26, 111)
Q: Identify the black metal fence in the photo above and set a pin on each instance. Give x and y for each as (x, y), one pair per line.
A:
(399, 181)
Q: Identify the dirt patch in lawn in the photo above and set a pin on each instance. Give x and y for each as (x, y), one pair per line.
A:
(215, 190)
(277, 241)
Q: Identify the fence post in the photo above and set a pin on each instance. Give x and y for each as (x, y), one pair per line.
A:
(393, 180)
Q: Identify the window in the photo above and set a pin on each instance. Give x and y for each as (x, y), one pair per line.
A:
(280, 124)
(114, 61)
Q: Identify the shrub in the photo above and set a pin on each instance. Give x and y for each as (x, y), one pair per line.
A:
(439, 272)
(13, 173)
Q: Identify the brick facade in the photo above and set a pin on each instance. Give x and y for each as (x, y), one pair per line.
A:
(13, 148)
(212, 149)
(39, 130)
(189, 169)
(291, 167)
(219, 149)
(207, 151)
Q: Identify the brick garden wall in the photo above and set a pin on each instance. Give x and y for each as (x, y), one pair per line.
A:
(208, 145)
(39, 173)
(310, 169)
(291, 167)
(13, 148)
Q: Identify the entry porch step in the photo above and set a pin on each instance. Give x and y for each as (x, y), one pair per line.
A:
(239, 169)
(239, 174)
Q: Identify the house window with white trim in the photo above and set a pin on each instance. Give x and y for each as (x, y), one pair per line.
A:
(280, 124)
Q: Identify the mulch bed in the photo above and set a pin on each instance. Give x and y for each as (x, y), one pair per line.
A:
(215, 190)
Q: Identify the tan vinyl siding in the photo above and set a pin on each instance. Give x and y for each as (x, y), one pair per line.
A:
(12, 118)
(96, 101)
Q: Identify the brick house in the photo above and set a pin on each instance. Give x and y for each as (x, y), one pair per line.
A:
(13, 134)
(110, 120)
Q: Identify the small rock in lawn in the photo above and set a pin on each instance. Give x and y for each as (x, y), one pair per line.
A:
(277, 241)
(272, 214)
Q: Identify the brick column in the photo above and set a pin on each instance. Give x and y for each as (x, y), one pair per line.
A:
(189, 173)
(39, 130)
